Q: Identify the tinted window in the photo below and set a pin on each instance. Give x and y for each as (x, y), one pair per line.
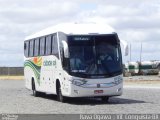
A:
(36, 50)
(31, 48)
(54, 45)
(26, 46)
(95, 55)
(42, 46)
(48, 45)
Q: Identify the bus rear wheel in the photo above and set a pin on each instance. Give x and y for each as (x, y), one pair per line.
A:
(35, 92)
(105, 99)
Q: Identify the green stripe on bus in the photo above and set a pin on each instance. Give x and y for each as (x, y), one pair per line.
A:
(36, 69)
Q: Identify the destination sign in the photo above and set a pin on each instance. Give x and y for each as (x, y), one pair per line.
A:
(81, 38)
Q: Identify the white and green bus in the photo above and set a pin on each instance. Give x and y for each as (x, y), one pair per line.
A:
(74, 60)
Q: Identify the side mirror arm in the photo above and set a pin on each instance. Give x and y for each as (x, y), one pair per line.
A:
(65, 48)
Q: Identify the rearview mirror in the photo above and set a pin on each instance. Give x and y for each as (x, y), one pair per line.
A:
(125, 44)
(65, 48)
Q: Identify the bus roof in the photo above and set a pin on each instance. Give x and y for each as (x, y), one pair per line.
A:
(75, 28)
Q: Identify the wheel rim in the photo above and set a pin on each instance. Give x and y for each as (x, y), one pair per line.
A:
(34, 92)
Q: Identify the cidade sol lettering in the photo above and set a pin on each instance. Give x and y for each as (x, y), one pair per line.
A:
(49, 63)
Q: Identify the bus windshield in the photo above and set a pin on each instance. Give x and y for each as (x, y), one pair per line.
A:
(94, 55)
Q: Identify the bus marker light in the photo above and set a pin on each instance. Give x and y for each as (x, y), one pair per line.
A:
(119, 89)
(76, 91)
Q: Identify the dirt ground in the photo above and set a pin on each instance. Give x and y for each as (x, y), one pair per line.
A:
(11, 77)
(134, 80)
(142, 80)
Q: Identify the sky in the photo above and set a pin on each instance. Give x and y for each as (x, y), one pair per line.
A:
(135, 21)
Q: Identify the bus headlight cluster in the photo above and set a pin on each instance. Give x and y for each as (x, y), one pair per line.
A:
(118, 80)
(78, 82)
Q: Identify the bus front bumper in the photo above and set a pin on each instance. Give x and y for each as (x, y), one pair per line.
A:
(78, 91)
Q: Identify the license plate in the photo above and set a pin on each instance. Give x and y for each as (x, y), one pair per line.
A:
(98, 91)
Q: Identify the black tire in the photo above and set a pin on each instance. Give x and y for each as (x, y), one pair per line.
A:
(105, 99)
(35, 93)
(60, 97)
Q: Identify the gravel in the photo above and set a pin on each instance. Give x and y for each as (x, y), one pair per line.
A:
(16, 99)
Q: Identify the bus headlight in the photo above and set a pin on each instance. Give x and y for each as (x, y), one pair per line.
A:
(78, 82)
(118, 80)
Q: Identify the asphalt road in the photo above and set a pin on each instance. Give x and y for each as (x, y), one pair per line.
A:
(14, 98)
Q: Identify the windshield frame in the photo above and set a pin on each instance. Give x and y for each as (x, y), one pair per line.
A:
(84, 75)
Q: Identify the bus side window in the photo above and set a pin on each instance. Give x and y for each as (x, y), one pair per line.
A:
(54, 46)
(26, 48)
(31, 48)
(42, 46)
(48, 45)
(36, 48)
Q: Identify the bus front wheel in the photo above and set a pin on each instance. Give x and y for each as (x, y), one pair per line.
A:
(105, 99)
(60, 97)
